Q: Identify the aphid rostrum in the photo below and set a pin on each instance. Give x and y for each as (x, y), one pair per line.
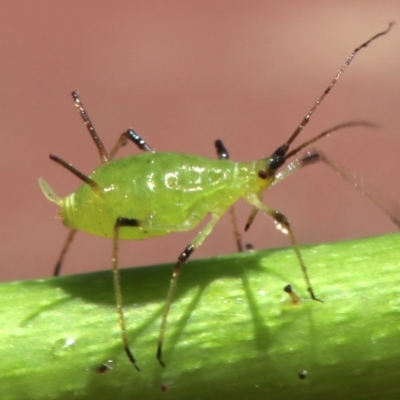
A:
(156, 193)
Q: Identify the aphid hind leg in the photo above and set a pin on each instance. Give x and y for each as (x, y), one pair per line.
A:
(183, 257)
(64, 250)
(97, 141)
(75, 171)
(131, 135)
(103, 157)
(122, 222)
(224, 155)
(72, 232)
(283, 224)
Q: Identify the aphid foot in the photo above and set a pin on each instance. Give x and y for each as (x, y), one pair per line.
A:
(57, 269)
(312, 295)
(159, 355)
(131, 358)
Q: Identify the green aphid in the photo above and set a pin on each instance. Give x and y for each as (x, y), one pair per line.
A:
(155, 194)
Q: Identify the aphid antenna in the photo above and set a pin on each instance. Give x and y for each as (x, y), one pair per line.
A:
(350, 124)
(387, 206)
(280, 155)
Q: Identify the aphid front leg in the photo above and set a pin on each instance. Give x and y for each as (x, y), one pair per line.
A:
(183, 257)
(283, 224)
(224, 155)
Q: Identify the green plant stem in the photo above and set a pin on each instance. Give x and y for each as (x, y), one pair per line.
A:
(232, 331)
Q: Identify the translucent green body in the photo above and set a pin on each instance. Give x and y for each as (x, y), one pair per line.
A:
(166, 192)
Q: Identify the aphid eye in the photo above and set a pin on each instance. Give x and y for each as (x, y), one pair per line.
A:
(262, 174)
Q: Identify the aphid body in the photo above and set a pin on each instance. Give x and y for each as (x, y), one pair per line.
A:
(165, 192)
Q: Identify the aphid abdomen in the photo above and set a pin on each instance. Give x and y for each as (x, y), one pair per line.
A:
(166, 192)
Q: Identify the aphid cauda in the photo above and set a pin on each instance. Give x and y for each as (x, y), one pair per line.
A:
(155, 194)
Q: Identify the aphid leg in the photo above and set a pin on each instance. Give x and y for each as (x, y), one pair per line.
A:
(224, 155)
(100, 147)
(121, 222)
(75, 171)
(103, 157)
(251, 218)
(387, 206)
(67, 243)
(72, 232)
(184, 256)
(221, 150)
(283, 224)
(130, 134)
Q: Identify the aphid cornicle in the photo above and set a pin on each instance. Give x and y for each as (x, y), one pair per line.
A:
(155, 194)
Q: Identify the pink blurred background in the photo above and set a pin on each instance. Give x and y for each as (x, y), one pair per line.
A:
(183, 74)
